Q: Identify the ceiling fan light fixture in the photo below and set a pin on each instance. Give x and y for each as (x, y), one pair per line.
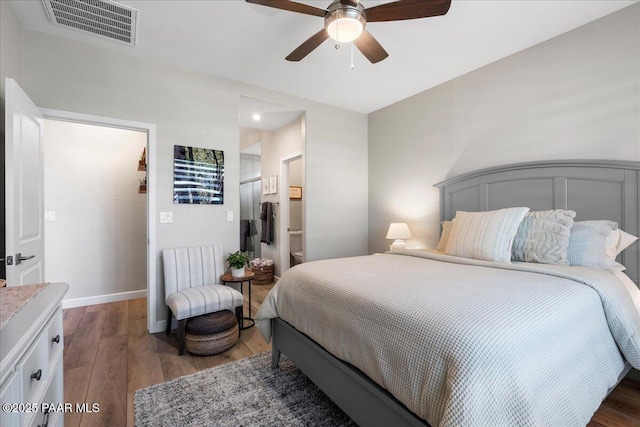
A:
(345, 25)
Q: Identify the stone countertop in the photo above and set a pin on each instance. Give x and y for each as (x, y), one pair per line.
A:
(12, 299)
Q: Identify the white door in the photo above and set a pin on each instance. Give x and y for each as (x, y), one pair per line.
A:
(24, 185)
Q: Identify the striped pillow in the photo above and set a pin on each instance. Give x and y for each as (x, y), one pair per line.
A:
(485, 235)
(588, 245)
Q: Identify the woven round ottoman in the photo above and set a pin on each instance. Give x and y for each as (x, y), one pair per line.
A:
(211, 333)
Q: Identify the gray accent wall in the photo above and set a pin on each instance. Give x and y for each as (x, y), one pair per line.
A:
(576, 96)
(196, 109)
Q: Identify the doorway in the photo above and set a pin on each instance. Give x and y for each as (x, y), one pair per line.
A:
(292, 208)
(95, 211)
(268, 132)
(17, 102)
(150, 153)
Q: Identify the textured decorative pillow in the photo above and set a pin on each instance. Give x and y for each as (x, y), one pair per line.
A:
(444, 237)
(485, 235)
(543, 237)
(618, 241)
(588, 245)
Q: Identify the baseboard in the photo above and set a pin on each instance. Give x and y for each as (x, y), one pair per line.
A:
(102, 299)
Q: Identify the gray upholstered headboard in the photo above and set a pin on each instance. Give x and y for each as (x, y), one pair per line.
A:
(595, 189)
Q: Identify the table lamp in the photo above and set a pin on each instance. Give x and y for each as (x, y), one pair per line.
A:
(398, 231)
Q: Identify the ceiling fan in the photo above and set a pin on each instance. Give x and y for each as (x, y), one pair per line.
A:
(345, 21)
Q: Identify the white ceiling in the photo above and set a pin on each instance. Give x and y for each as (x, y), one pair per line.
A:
(248, 43)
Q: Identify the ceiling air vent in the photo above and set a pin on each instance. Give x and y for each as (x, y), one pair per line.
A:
(104, 18)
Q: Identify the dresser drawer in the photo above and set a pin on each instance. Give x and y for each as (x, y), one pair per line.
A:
(53, 396)
(34, 370)
(55, 335)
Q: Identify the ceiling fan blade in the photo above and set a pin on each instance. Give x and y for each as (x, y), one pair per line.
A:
(291, 6)
(370, 47)
(307, 47)
(407, 9)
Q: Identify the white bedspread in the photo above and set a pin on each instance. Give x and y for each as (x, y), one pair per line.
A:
(461, 344)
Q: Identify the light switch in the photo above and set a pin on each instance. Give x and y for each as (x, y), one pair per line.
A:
(229, 215)
(49, 215)
(166, 217)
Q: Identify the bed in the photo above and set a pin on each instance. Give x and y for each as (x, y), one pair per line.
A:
(564, 338)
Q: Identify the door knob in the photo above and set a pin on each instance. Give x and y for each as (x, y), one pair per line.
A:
(20, 258)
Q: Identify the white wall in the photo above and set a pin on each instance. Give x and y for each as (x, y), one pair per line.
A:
(97, 242)
(191, 108)
(575, 96)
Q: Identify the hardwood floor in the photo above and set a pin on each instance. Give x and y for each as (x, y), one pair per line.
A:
(108, 354)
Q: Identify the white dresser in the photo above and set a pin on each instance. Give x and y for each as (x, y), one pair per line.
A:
(31, 346)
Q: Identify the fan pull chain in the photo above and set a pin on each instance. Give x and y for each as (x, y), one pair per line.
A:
(352, 56)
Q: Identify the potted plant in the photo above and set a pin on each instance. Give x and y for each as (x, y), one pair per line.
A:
(237, 261)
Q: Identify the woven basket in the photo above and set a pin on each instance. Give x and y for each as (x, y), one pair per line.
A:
(264, 275)
(206, 345)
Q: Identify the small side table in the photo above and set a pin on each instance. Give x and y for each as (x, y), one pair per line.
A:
(248, 277)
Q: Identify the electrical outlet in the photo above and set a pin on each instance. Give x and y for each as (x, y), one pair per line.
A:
(166, 217)
(229, 216)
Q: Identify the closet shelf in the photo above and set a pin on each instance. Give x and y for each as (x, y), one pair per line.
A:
(142, 167)
(142, 162)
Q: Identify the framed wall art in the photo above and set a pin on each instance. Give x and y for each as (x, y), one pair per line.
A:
(273, 184)
(198, 175)
(295, 192)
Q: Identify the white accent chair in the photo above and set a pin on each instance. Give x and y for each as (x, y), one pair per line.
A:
(192, 286)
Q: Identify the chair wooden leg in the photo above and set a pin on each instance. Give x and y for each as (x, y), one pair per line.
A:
(181, 324)
(169, 318)
(239, 317)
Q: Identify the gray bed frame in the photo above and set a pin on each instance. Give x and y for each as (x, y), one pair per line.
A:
(595, 189)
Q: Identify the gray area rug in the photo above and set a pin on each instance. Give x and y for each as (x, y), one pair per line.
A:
(242, 393)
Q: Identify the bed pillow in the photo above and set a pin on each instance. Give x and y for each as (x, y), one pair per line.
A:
(543, 237)
(485, 235)
(444, 237)
(618, 241)
(588, 245)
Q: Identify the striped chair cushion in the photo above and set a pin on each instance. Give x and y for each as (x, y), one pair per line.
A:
(202, 300)
(485, 235)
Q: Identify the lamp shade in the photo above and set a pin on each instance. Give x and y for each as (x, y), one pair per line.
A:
(398, 230)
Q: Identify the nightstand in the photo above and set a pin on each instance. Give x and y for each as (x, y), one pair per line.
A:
(248, 277)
